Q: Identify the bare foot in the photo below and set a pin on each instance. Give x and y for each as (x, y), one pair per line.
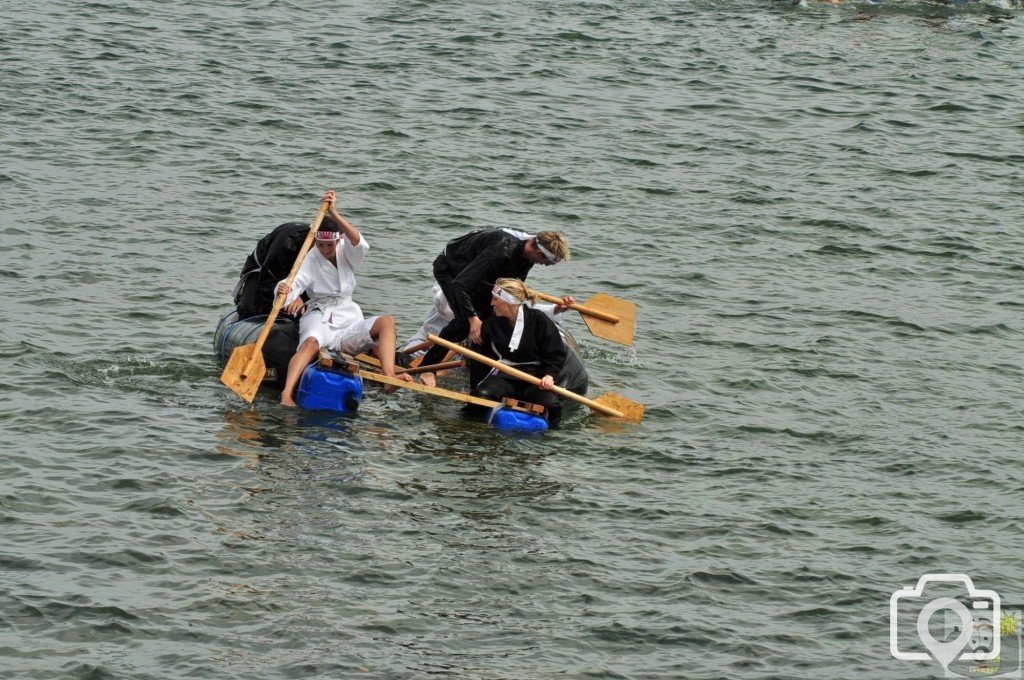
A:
(287, 401)
(405, 377)
(428, 379)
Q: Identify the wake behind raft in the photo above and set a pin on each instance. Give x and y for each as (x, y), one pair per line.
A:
(339, 387)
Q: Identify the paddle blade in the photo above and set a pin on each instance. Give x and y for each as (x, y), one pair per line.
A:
(621, 331)
(631, 410)
(245, 371)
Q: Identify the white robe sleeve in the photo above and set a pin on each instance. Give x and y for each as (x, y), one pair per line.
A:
(548, 309)
(354, 255)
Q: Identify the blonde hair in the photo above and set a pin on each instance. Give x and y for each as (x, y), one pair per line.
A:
(516, 289)
(556, 242)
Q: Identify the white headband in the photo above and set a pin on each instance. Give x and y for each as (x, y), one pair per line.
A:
(329, 236)
(547, 253)
(503, 294)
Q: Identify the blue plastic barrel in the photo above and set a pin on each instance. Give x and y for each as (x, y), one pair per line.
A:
(517, 421)
(329, 390)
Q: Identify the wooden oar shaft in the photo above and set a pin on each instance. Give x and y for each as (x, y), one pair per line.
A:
(279, 302)
(436, 391)
(416, 348)
(589, 311)
(443, 366)
(516, 373)
(352, 364)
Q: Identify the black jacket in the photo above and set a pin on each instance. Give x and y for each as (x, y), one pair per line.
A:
(540, 350)
(478, 259)
(271, 261)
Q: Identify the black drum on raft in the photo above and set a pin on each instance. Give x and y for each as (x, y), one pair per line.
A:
(278, 349)
(280, 346)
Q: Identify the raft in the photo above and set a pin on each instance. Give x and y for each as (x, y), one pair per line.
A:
(317, 391)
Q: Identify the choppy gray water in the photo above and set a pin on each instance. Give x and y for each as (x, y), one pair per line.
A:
(818, 210)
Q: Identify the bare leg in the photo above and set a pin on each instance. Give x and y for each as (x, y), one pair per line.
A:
(383, 331)
(296, 366)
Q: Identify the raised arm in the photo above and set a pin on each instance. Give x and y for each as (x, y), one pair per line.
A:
(350, 232)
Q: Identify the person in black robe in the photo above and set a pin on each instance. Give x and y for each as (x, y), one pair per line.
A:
(525, 339)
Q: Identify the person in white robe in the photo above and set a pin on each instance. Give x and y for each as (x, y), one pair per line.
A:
(332, 319)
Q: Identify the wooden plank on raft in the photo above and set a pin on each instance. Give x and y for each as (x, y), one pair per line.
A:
(327, 361)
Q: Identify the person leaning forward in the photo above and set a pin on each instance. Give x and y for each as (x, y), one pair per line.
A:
(468, 267)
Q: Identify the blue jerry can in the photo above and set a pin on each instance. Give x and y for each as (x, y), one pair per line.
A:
(329, 390)
(518, 421)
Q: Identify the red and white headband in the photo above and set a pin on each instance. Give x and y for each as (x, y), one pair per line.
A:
(328, 236)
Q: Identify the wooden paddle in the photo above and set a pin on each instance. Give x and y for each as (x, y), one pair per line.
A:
(607, 317)
(245, 369)
(609, 404)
